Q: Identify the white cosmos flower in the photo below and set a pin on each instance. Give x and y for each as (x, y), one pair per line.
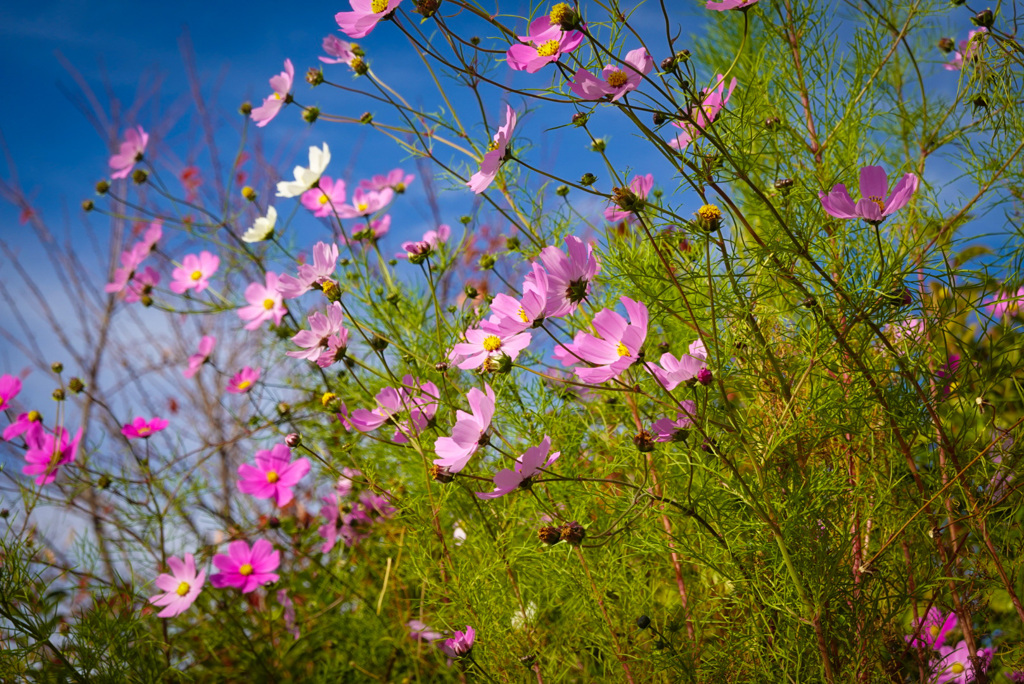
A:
(263, 228)
(306, 177)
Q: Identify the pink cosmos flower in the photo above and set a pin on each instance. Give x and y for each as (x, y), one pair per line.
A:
(326, 198)
(141, 428)
(724, 5)
(339, 50)
(274, 474)
(206, 345)
(461, 643)
(396, 179)
(194, 272)
(526, 466)
(641, 187)
(955, 665)
(494, 158)
(931, 630)
(910, 330)
(325, 260)
(419, 631)
(616, 349)
(130, 260)
(355, 525)
(364, 17)
(1004, 303)
(180, 589)
(712, 103)
(288, 613)
(469, 433)
(968, 50)
(25, 421)
(673, 372)
(243, 381)
(10, 386)
(130, 152)
(265, 303)
(366, 202)
(876, 202)
(150, 238)
(378, 228)
(46, 452)
(569, 276)
(326, 340)
(141, 285)
(511, 316)
(281, 85)
(482, 345)
(544, 44)
(419, 250)
(246, 568)
(616, 80)
(668, 430)
(415, 398)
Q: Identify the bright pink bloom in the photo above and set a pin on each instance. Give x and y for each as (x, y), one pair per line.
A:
(354, 525)
(461, 643)
(526, 466)
(469, 433)
(668, 430)
(46, 452)
(202, 356)
(544, 44)
(674, 372)
(326, 340)
(150, 238)
(1004, 303)
(616, 79)
(876, 202)
(493, 159)
(641, 187)
(25, 421)
(243, 381)
(130, 260)
(325, 260)
(365, 15)
(10, 386)
(130, 152)
(378, 228)
(246, 568)
(141, 428)
(194, 272)
(931, 630)
(274, 474)
(366, 202)
(723, 5)
(955, 665)
(569, 276)
(616, 349)
(700, 117)
(264, 303)
(141, 285)
(281, 85)
(396, 179)
(482, 345)
(326, 198)
(417, 251)
(414, 398)
(419, 631)
(181, 588)
(511, 316)
(339, 50)
(968, 50)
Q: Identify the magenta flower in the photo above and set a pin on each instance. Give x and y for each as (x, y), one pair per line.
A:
(482, 345)
(181, 588)
(1004, 303)
(544, 44)
(396, 179)
(326, 198)
(265, 303)
(141, 285)
(617, 348)
(10, 386)
(355, 525)
(526, 466)
(242, 381)
(378, 228)
(673, 372)
(496, 155)
(931, 630)
(47, 452)
(366, 202)
(200, 357)
(325, 260)
(461, 643)
(274, 474)
(724, 5)
(616, 80)
(339, 50)
(194, 272)
(140, 428)
(365, 15)
(326, 340)
(968, 50)
(130, 152)
(668, 430)
(640, 186)
(419, 250)
(415, 398)
(130, 260)
(569, 276)
(469, 433)
(700, 117)
(246, 568)
(955, 665)
(876, 202)
(511, 316)
(281, 85)
(25, 421)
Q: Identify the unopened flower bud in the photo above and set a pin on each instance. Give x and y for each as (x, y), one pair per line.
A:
(784, 184)
(441, 474)
(367, 117)
(87, 205)
(76, 385)
(471, 291)
(580, 119)
(487, 261)
(249, 193)
(705, 376)
(102, 187)
(668, 64)
(441, 366)
(500, 364)
(4, 513)
(475, 40)
(273, 522)
(512, 243)
(310, 114)
(549, 535)
(980, 102)
(427, 8)
(465, 220)
(528, 660)
(378, 343)
(947, 45)
(772, 122)
(682, 57)
(659, 118)
(139, 176)
(588, 179)
(283, 409)
(314, 76)
(293, 439)
(644, 442)
(359, 66)
(103, 482)
(331, 290)
(598, 145)
(329, 400)
(393, 297)
(984, 18)
(58, 394)
(245, 109)
(565, 16)
(57, 367)
(573, 533)
(709, 217)
(562, 190)
(627, 200)
(643, 622)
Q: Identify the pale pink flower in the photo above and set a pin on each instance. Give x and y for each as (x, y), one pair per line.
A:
(511, 316)
(529, 464)
(140, 428)
(150, 238)
(194, 272)
(876, 201)
(482, 345)
(968, 50)
(364, 16)
(130, 260)
(201, 356)
(569, 276)
(668, 430)
(130, 152)
(1004, 303)
(469, 433)
(711, 104)
(288, 613)
(494, 158)
(419, 631)
(378, 228)
(141, 285)
(281, 85)
(326, 198)
(616, 79)
(274, 474)
(674, 372)
(265, 303)
(246, 568)
(396, 179)
(414, 398)
(911, 331)
(46, 452)
(340, 51)
(724, 5)
(419, 250)
(180, 589)
(325, 260)
(10, 386)
(639, 186)
(366, 202)
(954, 664)
(544, 43)
(326, 340)
(617, 348)
(24, 422)
(243, 381)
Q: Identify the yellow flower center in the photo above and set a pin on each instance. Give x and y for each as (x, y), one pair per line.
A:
(622, 350)
(879, 201)
(327, 398)
(492, 343)
(522, 315)
(957, 668)
(145, 430)
(934, 630)
(547, 49)
(244, 384)
(362, 206)
(35, 416)
(272, 476)
(182, 589)
(277, 96)
(323, 199)
(709, 212)
(196, 275)
(617, 79)
(560, 14)
(378, 6)
(268, 304)
(245, 570)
